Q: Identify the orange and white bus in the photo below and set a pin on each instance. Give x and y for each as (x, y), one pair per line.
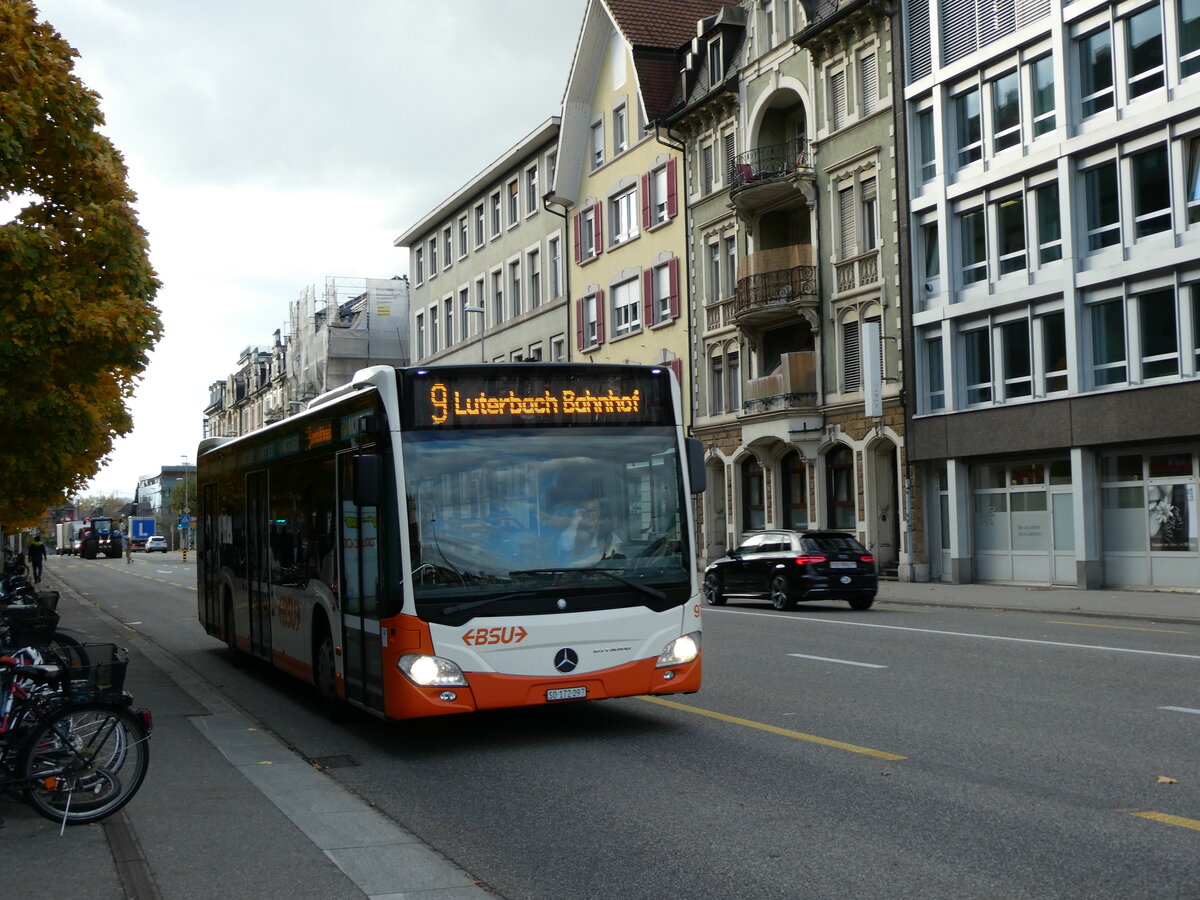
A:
(426, 541)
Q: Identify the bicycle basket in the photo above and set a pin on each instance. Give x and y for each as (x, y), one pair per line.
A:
(100, 675)
(29, 623)
(48, 599)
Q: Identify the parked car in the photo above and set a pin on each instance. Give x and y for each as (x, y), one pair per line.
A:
(156, 542)
(790, 567)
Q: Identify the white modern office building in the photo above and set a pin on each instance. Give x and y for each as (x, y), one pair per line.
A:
(1053, 320)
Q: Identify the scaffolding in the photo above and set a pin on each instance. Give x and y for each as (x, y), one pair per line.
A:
(353, 323)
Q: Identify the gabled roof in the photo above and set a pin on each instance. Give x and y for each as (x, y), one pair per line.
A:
(660, 23)
(657, 31)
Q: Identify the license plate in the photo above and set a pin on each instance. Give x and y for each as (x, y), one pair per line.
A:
(843, 565)
(572, 693)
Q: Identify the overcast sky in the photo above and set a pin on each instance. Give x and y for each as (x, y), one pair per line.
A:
(276, 142)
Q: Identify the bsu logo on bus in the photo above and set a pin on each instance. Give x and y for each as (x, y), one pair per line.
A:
(480, 637)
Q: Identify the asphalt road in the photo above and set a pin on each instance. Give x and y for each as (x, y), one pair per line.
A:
(942, 753)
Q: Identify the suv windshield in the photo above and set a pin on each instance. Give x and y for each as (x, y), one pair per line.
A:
(520, 521)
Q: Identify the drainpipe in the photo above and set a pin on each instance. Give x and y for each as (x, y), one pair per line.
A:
(548, 205)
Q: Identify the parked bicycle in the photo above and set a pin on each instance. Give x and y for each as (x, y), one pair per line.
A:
(32, 621)
(71, 744)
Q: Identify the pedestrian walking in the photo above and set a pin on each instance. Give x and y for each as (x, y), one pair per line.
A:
(36, 554)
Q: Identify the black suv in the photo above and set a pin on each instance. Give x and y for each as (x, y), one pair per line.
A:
(789, 567)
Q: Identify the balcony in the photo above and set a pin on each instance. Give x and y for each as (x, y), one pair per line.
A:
(774, 286)
(792, 386)
(761, 176)
(857, 272)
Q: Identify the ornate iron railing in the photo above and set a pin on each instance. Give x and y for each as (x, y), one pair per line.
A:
(771, 163)
(774, 288)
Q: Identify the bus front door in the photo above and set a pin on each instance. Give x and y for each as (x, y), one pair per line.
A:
(361, 644)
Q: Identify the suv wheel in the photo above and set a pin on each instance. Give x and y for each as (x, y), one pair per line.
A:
(781, 594)
(712, 590)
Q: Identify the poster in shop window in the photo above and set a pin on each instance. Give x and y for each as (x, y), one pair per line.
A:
(1172, 509)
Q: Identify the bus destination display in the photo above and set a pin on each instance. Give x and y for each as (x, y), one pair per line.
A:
(448, 399)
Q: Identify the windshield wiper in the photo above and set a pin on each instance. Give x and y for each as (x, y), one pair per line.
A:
(645, 589)
(475, 604)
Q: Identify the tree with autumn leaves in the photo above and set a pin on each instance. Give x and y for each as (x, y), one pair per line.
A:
(77, 319)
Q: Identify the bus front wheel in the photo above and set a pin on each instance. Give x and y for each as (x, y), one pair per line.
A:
(325, 676)
(235, 658)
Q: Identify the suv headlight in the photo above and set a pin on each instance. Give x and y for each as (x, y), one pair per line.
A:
(683, 649)
(431, 671)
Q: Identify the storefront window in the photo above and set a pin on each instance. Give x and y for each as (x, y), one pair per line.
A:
(1029, 520)
(1064, 521)
(1172, 511)
(985, 477)
(1029, 473)
(1124, 518)
(1121, 468)
(991, 522)
(1060, 471)
(1169, 465)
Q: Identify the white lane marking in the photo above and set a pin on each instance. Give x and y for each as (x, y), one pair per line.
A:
(1182, 709)
(844, 662)
(985, 637)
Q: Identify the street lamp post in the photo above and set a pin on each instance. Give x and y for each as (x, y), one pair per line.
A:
(478, 309)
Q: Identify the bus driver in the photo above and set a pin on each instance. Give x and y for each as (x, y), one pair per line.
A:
(589, 537)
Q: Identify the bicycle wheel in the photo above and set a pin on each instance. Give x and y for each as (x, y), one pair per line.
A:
(84, 762)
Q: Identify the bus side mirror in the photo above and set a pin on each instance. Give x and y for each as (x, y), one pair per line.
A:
(368, 470)
(696, 470)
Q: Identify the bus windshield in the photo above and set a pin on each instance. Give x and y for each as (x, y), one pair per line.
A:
(502, 519)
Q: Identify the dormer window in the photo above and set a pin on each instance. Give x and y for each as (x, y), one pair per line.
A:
(716, 61)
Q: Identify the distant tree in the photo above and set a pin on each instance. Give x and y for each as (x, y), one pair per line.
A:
(77, 319)
(183, 495)
(107, 504)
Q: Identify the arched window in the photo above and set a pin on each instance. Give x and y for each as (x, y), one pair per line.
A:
(793, 489)
(840, 493)
(754, 513)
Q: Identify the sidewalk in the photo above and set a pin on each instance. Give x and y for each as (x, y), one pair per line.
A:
(1156, 606)
(226, 810)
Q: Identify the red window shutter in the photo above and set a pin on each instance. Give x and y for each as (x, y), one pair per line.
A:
(599, 317)
(672, 201)
(599, 230)
(677, 367)
(578, 238)
(580, 311)
(646, 223)
(647, 297)
(673, 274)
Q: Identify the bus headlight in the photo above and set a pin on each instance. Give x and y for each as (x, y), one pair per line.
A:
(431, 671)
(682, 650)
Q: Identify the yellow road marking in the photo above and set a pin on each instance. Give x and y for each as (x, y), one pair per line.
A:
(1118, 627)
(1169, 820)
(773, 729)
